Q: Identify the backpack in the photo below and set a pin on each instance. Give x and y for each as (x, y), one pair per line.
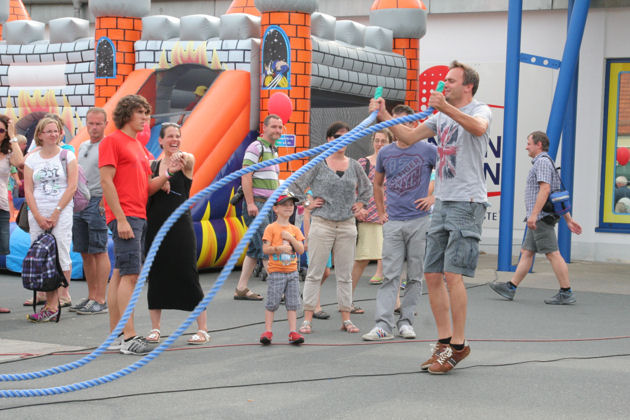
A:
(41, 271)
(81, 196)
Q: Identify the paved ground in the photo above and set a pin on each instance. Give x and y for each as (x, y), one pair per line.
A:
(528, 360)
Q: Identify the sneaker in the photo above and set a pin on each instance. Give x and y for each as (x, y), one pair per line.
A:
(265, 338)
(79, 305)
(137, 346)
(406, 331)
(436, 349)
(561, 298)
(117, 343)
(92, 307)
(44, 315)
(377, 334)
(295, 338)
(503, 289)
(448, 358)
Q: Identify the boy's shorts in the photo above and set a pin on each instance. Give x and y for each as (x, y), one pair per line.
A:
(129, 253)
(286, 284)
(453, 238)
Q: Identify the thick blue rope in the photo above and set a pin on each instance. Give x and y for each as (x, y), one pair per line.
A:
(325, 150)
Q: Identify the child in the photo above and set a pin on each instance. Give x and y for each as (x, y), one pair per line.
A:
(281, 241)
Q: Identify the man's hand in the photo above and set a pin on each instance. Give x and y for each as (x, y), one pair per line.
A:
(531, 221)
(124, 230)
(252, 209)
(379, 105)
(425, 203)
(437, 100)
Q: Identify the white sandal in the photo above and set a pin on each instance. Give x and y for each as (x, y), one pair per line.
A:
(154, 336)
(200, 337)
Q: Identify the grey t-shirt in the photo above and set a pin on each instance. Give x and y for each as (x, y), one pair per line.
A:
(407, 176)
(88, 159)
(459, 169)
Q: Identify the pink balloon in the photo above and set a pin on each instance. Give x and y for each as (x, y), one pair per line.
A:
(623, 156)
(280, 104)
(145, 135)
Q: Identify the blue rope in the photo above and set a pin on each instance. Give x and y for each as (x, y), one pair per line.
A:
(325, 150)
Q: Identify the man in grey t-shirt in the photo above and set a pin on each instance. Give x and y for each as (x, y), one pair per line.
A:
(461, 129)
(89, 231)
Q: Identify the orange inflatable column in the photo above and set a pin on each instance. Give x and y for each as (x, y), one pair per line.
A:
(407, 20)
(17, 11)
(118, 26)
(295, 22)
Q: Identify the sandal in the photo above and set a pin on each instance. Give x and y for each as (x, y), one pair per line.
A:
(348, 326)
(306, 328)
(5, 310)
(321, 315)
(29, 302)
(375, 280)
(64, 303)
(200, 337)
(357, 310)
(246, 294)
(154, 336)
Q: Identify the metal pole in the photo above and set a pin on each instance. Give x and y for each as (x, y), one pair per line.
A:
(570, 57)
(568, 152)
(510, 119)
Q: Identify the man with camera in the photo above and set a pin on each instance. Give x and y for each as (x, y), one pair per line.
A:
(542, 180)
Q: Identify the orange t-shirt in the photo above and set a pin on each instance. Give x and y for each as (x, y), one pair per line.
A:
(273, 236)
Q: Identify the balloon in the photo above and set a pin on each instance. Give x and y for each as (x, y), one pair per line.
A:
(623, 155)
(145, 135)
(280, 104)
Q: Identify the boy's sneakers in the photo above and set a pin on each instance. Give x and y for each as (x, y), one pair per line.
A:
(503, 289)
(137, 346)
(265, 338)
(44, 315)
(436, 349)
(561, 298)
(92, 307)
(295, 338)
(377, 334)
(79, 305)
(406, 331)
(448, 358)
(117, 343)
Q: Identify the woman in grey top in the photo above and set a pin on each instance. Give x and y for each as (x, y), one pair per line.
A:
(340, 189)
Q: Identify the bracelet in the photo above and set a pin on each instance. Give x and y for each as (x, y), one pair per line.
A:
(13, 140)
(169, 174)
(58, 208)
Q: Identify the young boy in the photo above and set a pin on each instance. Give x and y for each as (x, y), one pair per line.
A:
(282, 241)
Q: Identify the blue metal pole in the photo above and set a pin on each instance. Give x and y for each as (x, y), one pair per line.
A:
(575, 31)
(568, 152)
(510, 119)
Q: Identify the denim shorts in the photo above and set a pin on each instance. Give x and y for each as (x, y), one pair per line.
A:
(542, 240)
(129, 253)
(254, 249)
(5, 229)
(89, 231)
(453, 237)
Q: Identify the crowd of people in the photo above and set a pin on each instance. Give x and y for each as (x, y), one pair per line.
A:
(409, 201)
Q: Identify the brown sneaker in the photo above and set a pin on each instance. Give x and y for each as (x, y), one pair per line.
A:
(436, 349)
(448, 358)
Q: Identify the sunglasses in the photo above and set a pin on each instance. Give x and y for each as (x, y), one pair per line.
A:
(336, 136)
(2, 131)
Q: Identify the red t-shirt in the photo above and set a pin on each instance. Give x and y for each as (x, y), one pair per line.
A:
(131, 160)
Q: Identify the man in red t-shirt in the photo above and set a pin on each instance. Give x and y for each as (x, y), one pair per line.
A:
(125, 178)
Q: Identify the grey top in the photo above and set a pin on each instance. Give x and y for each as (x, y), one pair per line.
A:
(339, 193)
(88, 160)
(459, 170)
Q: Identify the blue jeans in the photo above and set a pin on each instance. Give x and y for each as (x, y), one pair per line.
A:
(5, 229)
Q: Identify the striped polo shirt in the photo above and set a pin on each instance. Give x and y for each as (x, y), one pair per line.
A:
(265, 180)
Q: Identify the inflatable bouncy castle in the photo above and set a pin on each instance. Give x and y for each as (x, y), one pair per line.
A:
(219, 76)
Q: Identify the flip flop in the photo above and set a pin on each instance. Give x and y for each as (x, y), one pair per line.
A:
(246, 294)
(376, 280)
(29, 302)
(200, 337)
(357, 310)
(321, 315)
(5, 310)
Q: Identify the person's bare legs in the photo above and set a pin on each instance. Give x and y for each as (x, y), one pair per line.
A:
(103, 267)
(202, 321)
(156, 316)
(249, 264)
(523, 266)
(440, 304)
(64, 292)
(560, 268)
(458, 304)
(292, 318)
(112, 300)
(357, 271)
(125, 290)
(379, 268)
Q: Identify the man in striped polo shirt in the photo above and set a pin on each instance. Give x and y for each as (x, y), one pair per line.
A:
(257, 187)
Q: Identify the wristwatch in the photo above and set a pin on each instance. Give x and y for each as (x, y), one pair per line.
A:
(58, 208)
(307, 204)
(14, 140)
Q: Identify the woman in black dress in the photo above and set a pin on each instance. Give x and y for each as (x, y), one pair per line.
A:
(173, 279)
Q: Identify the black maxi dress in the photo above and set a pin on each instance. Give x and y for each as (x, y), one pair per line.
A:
(173, 279)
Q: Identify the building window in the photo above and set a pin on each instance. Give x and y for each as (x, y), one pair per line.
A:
(615, 191)
(276, 59)
(105, 59)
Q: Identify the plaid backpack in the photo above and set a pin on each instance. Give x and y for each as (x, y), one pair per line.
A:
(41, 271)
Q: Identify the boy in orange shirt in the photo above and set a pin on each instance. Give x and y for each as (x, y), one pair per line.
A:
(282, 241)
